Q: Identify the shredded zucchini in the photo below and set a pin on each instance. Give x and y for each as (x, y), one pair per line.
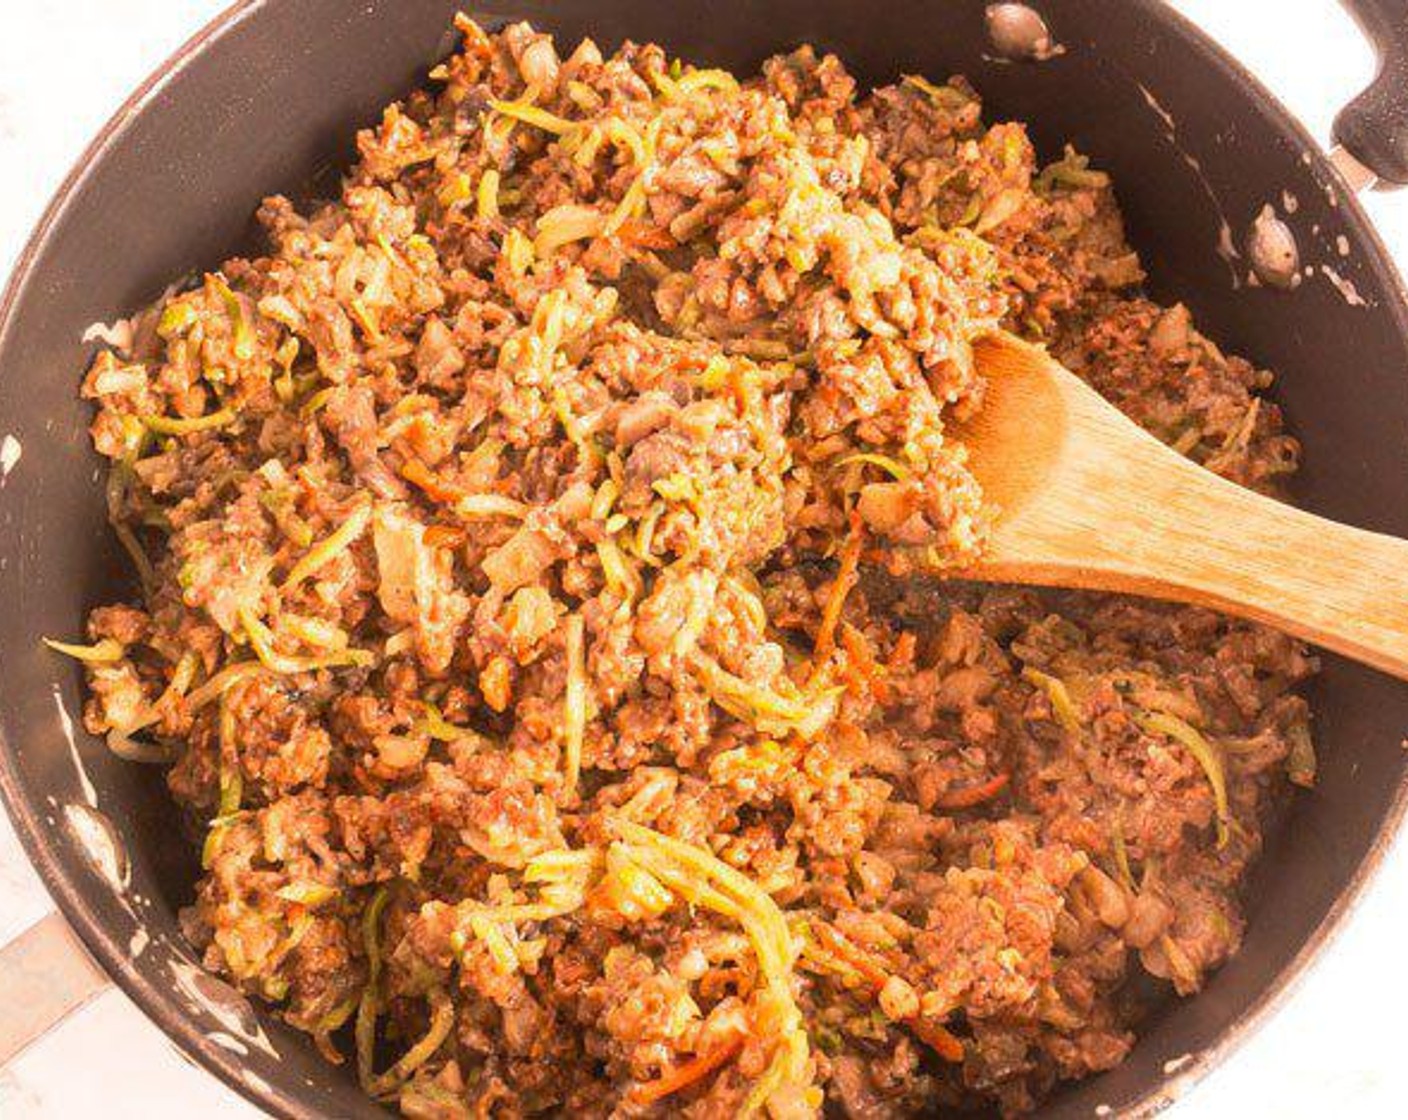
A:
(368, 1006)
(308, 894)
(1121, 848)
(627, 137)
(703, 879)
(621, 578)
(574, 703)
(442, 1021)
(768, 711)
(1207, 755)
(106, 652)
(945, 96)
(438, 727)
(241, 328)
(696, 80)
(474, 507)
(331, 546)
(1061, 703)
(231, 785)
(185, 426)
(893, 467)
(177, 317)
(565, 224)
(531, 114)
(215, 687)
(1071, 170)
(261, 638)
(231, 778)
(487, 194)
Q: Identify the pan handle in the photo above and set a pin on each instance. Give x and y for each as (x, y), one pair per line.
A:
(1373, 127)
(46, 974)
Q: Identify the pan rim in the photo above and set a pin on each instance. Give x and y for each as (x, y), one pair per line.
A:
(160, 1006)
(163, 1008)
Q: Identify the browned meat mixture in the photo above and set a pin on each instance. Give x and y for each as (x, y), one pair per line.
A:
(542, 551)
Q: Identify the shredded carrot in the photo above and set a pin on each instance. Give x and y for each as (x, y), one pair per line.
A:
(686, 1074)
(850, 953)
(902, 656)
(445, 536)
(864, 672)
(969, 796)
(938, 1037)
(465, 503)
(418, 474)
(928, 1030)
(845, 580)
(643, 235)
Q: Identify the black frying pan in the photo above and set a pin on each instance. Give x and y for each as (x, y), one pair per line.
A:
(268, 98)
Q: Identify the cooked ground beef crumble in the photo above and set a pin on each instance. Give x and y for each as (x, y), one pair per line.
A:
(543, 614)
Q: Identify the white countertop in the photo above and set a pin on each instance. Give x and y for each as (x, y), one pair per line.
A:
(1336, 1048)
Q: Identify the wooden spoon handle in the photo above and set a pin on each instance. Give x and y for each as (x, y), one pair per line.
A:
(1088, 499)
(1335, 586)
(1158, 525)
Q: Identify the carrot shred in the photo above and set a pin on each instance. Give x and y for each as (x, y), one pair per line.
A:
(864, 964)
(686, 1074)
(902, 656)
(969, 796)
(865, 673)
(939, 1038)
(418, 474)
(445, 536)
(929, 1031)
(846, 578)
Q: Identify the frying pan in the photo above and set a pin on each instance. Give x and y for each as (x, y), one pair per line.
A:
(267, 98)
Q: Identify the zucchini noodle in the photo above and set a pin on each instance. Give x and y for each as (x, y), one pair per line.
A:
(330, 547)
(106, 652)
(574, 704)
(368, 1006)
(705, 880)
(185, 426)
(531, 114)
(1206, 755)
(261, 638)
(1059, 695)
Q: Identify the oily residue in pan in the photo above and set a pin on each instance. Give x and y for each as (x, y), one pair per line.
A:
(1344, 286)
(119, 334)
(97, 839)
(229, 1042)
(10, 451)
(1226, 243)
(205, 993)
(90, 795)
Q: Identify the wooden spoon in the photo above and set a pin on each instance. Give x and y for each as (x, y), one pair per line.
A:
(1085, 498)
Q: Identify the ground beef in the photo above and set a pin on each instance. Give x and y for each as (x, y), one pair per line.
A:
(543, 551)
